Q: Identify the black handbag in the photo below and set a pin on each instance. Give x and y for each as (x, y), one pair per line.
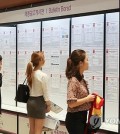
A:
(22, 94)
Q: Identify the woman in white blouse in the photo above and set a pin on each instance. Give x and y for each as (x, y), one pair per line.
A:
(38, 103)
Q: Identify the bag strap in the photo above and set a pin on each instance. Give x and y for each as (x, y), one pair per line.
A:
(24, 81)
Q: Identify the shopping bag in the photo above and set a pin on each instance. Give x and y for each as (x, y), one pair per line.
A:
(22, 94)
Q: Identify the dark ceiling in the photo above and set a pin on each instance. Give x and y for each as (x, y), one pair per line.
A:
(15, 4)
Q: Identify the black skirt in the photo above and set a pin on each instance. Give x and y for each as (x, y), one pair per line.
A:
(36, 107)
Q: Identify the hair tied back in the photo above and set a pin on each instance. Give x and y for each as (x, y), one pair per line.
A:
(31, 63)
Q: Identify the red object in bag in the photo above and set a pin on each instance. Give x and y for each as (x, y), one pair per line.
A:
(95, 115)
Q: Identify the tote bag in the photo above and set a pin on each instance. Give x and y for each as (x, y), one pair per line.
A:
(22, 94)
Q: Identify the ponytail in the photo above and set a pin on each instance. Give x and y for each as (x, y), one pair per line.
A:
(29, 73)
(69, 68)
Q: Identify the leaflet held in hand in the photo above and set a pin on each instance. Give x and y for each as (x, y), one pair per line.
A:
(55, 108)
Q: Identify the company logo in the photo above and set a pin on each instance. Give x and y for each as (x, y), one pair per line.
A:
(95, 121)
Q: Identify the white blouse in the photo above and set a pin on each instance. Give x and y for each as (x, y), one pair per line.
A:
(39, 85)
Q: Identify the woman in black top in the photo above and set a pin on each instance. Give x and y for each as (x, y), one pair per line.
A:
(0, 80)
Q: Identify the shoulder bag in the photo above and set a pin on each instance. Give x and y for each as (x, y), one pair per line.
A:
(22, 94)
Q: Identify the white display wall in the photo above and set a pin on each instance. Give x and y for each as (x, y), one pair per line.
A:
(112, 68)
(8, 52)
(28, 40)
(59, 38)
(55, 44)
(88, 34)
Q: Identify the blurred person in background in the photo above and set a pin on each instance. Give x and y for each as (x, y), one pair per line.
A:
(0, 80)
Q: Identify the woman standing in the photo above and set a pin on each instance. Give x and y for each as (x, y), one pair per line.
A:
(0, 81)
(78, 97)
(38, 103)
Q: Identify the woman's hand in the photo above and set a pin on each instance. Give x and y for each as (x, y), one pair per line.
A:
(48, 106)
(95, 93)
(90, 98)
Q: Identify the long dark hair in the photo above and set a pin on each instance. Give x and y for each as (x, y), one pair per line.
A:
(72, 69)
